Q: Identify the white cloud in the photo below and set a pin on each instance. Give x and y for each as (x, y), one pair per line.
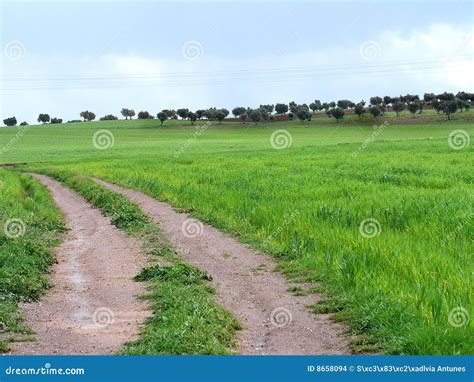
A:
(455, 44)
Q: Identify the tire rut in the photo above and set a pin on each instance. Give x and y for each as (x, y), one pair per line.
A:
(92, 307)
(274, 320)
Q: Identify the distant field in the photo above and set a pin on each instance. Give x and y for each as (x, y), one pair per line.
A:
(73, 141)
(305, 203)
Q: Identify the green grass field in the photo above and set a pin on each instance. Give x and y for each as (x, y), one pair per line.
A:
(400, 291)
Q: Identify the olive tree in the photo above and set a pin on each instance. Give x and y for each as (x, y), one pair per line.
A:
(281, 108)
(375, 110)
(144, 115)
(44, 118)
(162, 116)
(87, 115)
(238, 111)
(10, 121)
(303, 113)
(221, 114)
(182, 113)
(449, 107)
(255, 115)
(338, 113)
(413, 107)
(127, 113)
(192, 117)
(398, 107)
(359, 109)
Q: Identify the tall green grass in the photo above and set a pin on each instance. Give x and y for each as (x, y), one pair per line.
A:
(304, 205)
(30, 225)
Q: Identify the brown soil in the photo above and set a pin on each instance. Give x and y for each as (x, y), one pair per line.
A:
(275, 321)
(92, 308)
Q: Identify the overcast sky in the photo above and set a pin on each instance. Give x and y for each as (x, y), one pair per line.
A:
(63, 57)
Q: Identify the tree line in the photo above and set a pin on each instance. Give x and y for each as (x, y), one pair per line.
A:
(446, 103)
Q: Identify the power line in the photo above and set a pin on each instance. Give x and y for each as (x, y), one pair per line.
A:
(256, 80)
(233, 73)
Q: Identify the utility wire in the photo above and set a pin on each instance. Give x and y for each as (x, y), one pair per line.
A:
(251, 80)
(289, 70)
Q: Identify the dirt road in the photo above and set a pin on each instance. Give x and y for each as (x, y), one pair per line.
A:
(92, 308)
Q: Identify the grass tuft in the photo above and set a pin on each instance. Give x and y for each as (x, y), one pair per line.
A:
(180, 272)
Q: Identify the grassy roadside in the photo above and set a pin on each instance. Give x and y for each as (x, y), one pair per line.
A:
(185, 320)
(30, 226)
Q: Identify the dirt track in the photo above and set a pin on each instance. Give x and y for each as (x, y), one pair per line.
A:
(92, 308)
(275, 321)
